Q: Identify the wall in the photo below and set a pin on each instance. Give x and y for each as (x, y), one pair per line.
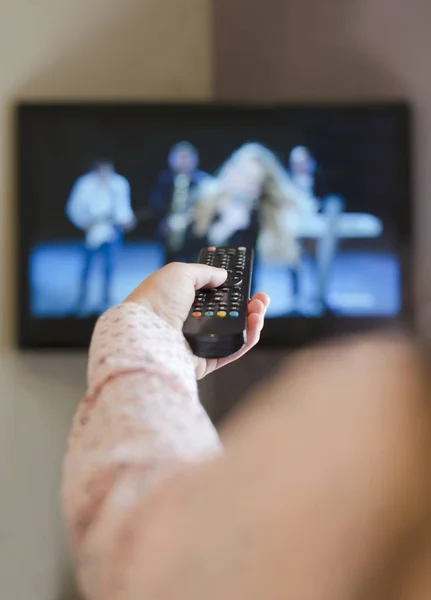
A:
(332, 50)
(86, 49)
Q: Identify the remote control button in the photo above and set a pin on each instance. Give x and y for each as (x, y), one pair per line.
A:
(231, 251)
(196, 315)
(242, 249)
(234, 313)
(211, 248)
(209, 313)
(221, 314)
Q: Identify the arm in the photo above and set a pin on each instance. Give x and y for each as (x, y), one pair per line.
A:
(138, 423)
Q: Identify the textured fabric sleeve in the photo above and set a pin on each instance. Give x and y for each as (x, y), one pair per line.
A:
(140, 421)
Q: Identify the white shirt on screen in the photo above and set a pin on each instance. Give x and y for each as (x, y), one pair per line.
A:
(100, 207)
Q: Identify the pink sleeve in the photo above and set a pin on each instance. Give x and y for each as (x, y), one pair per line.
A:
(140, 421)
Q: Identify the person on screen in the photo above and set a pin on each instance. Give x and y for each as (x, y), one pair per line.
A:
(100, 205)
(253, 202)
(302, 170)
(170, 200)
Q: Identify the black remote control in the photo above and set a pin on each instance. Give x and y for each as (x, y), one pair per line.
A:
(217, 324)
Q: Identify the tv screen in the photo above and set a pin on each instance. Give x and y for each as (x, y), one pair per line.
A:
(109, 193)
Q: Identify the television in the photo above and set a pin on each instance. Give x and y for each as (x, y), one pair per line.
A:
(110, 192)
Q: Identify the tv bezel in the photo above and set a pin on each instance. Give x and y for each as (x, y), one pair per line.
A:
(287, 332)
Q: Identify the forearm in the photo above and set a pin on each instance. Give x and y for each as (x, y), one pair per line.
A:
(140, 422)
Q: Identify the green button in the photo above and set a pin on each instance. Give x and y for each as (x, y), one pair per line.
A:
(209, 313)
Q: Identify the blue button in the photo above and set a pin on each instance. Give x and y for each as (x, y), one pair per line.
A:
(234, 313)
(209, 313)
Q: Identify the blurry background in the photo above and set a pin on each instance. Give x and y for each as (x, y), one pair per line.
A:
(171, 49)
(57, 49)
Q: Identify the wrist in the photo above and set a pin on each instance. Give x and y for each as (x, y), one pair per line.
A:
(170, 320)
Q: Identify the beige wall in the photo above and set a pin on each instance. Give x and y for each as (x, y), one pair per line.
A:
(330, 50)
(62, 49)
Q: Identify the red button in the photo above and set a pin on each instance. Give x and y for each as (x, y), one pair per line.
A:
(196, 315)
(211, 249)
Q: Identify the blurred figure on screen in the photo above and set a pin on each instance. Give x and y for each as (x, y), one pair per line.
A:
(252, 202)
(100, 205)
(171, 199)
(302, 170)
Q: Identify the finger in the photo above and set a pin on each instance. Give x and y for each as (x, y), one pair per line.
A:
(255, 320)
(206, 276)
(264, 298)
(254, 327)
(256, 306)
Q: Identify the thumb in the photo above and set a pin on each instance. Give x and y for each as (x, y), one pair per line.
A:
(206, 276)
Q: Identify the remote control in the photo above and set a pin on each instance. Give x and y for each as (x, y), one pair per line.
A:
(217, 324)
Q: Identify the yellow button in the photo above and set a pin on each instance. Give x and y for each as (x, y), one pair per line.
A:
(221, 313)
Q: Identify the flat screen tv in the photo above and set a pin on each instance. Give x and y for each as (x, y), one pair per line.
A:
(108, 193)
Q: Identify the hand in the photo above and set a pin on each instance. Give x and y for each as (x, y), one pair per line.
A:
(170, 292)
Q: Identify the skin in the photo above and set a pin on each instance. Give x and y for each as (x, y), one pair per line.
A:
(170, 292)
(323, 491)
(184, 162)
